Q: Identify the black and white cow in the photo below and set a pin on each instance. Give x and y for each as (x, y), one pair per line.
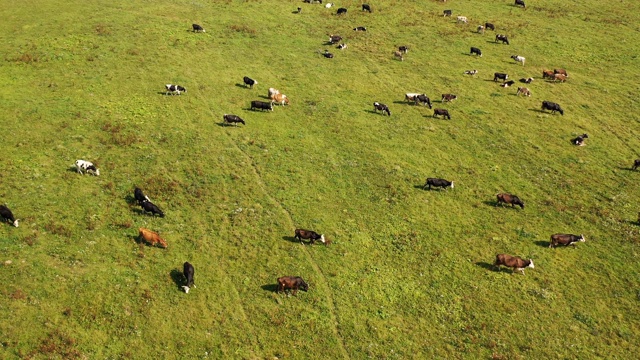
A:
(198, 28)
(520, 3)
(334, 39)
(500, 76)
(249, 81)
(424, 99)
(503, 38)
(446, 13)
(188, 271)
(7, 216)
(341, 11)
(360, 28)
(327, 54)
(507, 83)
(476, 51)
(518, 58)
(526, 80)
(403, 49)
(139, 196)
(148, 206)
(579, 140)
(366, 7)
(87, 166)
(256, 104)
(232, 119)
(174, 89)
(442, 112)
(341, 46)
(436, 182)
(548, 105)
(471, 72)
(382, 107)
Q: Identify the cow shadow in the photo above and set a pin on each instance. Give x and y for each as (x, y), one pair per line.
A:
(400, 102)
(270, 287)
(542, 243)
(291, 239)
(264, 97)
(178, 278)
(373, 112)
(419, 186)
(241, 85)
(130, 199)
(72, 169)
(136, 239)
(540, 111)
(488, 266)
(627, 168)
(492, 203)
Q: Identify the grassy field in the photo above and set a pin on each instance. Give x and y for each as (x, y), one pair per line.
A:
(408, 274)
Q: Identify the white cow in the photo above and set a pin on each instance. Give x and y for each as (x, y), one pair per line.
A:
(462, 19)
(518, 58)
(87, 166)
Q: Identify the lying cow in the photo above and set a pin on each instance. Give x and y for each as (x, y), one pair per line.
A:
(471, 72)
(360, 28)
(249, 81)
(503, 38)
(398, 55)
(87, 166)
(341, 46)
(232, 119)
(188, 271)
(565, 239)
(291, 282)
(476, 51)
(500, 76)
(327, 54)
(403, 49)
(341, 11)
(526, 80)
(442, 112)
(579, 141)
(548, 105)
(148, 206)
(139, 196)
(256, 104)
(518, 58)
(514, 262)
(506, 84)
(174, 89)
(334, 39)
(524, 91)
(441, 183)
(198, 28)
(310, 235)
(381, 107)
(446, 13)
(448, 97)
(151, 237)
(7, 216)
(424, 99)
(505, 198)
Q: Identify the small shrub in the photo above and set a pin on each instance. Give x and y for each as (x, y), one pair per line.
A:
(57, 229)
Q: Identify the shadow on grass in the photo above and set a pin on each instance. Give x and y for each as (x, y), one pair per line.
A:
(490, 203)
(542, 243)
(137, 239)
(130, 200)
(626, 168)
(403, 102)
(290, 239)
(241, 85)
(488, 266)
(73, 169)
(178, 278)
(270, 287)
(419, 186)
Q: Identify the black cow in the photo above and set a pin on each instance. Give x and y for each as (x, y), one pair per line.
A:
(500, 76)
(520, 3)
(140, 196)
(565, 239)
(508, 83)
(442, 183)
(174, 89)
(312, 236)
(636, 163)
(424, 99)
(249, 81)
(261, 105)
(475, 50)
(443, 112)
(579, 140)
(403, 49)
(366, 7)
(503, 38)
(509, 199)
(360, 28)
(148, 206)
(382, 107)
(291, 282)
(232, 119)
(7, 216)
(198, 28)
(489, 26)
(548, 105)
(447, 13)
(342, 11)
(334, 39)
(327, 54)
(188, 272)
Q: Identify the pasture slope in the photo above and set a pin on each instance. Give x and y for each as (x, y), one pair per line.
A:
(408, 275)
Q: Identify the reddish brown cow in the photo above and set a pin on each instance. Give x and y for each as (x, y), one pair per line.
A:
(547, 74)
(312, 236)
(559, 77)
(509, 199)
(514, 262)
(560, 71)
(291, 282)
(151, 237)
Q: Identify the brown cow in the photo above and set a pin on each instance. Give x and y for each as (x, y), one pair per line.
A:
(448, 97)
(514, 262)
(565, 239)
(560, 77)
(281, 99)
(151, 237)
(547, 74)
(509, 199)
(524, 91)
(308, 234)
(560, 71)
(291, 282)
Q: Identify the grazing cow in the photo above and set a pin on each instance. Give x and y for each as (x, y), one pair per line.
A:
(291, 282)
(329, 5)
(382, 107)
(518, 58)
(560, 71)
(261, 105)
(636, 163)
(7, 216)
(559, 77)
(403, 49)
(441, 183)
(462, 19)
(273, 91)
(524, 91)
(548, 105)
(446, 13)
(148, 206)
(527, 80)
(448, 97)
(151, 237)
(281, 99)
(507, 83)
(547, 74)
(475, 50)
(312, 236)
(500, 76)
(411, 96)
(341, 11)
(471, 72)
(579, 140)
(188, 270)
(503, 38)
(249, 81)
(139, 196)
(174, 89)
(480, 29)
(87, 166)
(334, 39)
(424, 99)
(311, 1)
(198, 28)
(520, 3)
(342, 46)
(509, 199)
(565, 239)
(514, 262)
(398, 55)
(327, 54)
(232, 119)
(489, 26)
(443, 112)
(359, 28)
(366, 7)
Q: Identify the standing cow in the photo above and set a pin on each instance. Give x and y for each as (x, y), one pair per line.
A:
(188, 271)
(249, 81)
(291, 282)
(232, 119)
(7, 216)
(514, 262)
(441, 183)
(310, 235)
(509, 199)
(87, 166)
(151, 237)
(565, 239)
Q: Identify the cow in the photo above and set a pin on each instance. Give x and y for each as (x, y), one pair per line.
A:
(500, 76)
(559, 77)
(281, 99)
(462, 19)
(489, 26)
(443, 112)
(471, 72)
(261, 105)
(446, 13)
(360, 28)
(232, 119)
(480, 29)
(560, 71)
(524, 91)
(334, 39)
(139, 196)
(174, 89)
(188, 271)
(636, 163)
(411, 96)
(382, 107)
(441, 183)
(312, 236)
(291, 282)
(327, 54)
(299, 10)
(341, 11)
(475, 50)
(424, 99)
(518, 58)
(311, 1)
(579, 140)
(341, 46)
(509, 199)
(329, 5)
(148, 206)
(151, 237)
(526, 80)
(273, 91)
(547, 74)
(548, 105)
(403, 49)
(514, 262)
(448, 97)
(88, 167)
(520, 3)
(7, 216)
(507, 83)
(366, 7)
(565, 239)
(503, 38)
(249, 81)
(398, 55)
(198, 28)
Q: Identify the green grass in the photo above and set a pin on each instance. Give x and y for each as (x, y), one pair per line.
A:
(408, 274)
